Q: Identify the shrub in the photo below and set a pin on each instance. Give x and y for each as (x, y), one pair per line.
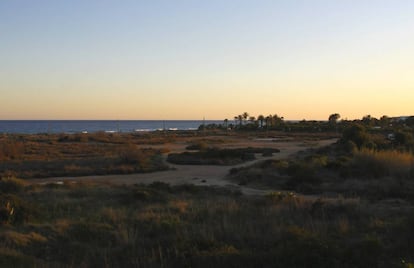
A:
(404, 139)
(11, 185)
(317, 160)
(129, 154)
(356, 134)
(201, 145)
(338, 163)
(11, 149)
(214, 156)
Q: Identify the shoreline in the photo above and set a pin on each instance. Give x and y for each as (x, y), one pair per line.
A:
(94, 126)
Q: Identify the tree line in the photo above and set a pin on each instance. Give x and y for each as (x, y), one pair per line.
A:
(334, 123)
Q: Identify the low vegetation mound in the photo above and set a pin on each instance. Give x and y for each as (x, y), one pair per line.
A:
(215, 156)
(34, 156)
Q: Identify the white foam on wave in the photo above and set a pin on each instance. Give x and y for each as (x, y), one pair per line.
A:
(144, 130)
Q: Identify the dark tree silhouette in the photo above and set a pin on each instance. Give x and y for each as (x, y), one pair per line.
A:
(245, 115)
(333, 118)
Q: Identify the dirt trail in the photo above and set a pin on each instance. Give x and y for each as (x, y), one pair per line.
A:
(208, 175)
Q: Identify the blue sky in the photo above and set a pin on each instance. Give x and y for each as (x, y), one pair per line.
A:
(215, 59)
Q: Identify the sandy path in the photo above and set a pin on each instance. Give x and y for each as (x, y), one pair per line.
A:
(209, 175)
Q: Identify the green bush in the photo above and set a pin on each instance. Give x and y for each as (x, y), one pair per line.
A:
(356, 134)
(214, 156)
(404, 139)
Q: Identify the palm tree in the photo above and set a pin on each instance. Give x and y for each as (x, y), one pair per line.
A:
(226, 123)
(239, 118)
(269, 121)
(245, 116)
(385, 121)
(261, 118)
(277, 120)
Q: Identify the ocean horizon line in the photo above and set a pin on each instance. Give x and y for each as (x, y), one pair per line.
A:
(91, 126)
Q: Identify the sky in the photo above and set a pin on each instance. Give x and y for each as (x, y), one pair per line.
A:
(182, 59)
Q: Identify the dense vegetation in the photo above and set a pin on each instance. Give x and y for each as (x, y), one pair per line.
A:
(78, 225)
(363, 162)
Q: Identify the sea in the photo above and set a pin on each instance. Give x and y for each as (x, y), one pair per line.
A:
(91, 126)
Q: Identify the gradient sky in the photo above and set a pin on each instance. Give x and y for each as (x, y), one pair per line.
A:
(153, 59)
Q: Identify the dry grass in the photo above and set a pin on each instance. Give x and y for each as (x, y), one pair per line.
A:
(16, 239)
(89, 225)
(34, 156)
(384, 163)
